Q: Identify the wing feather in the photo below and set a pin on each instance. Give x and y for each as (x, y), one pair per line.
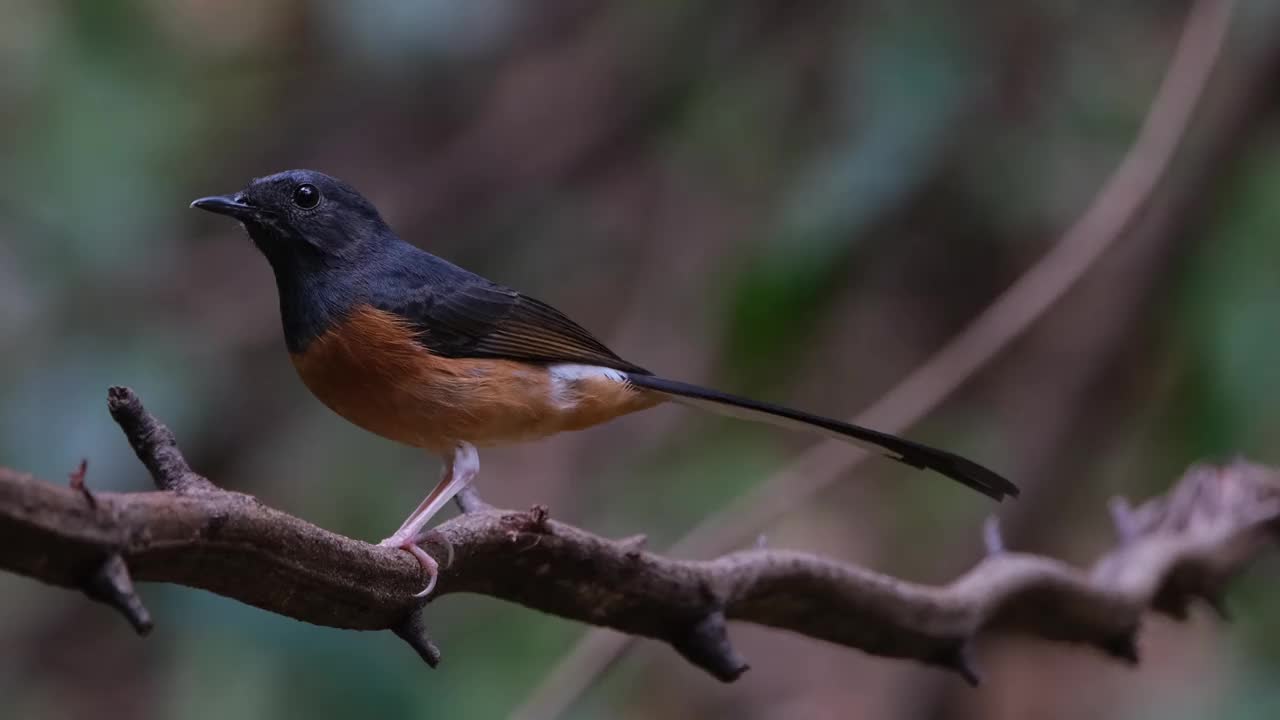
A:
(475, 318)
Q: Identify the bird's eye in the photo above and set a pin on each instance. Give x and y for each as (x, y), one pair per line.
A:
(306, 196)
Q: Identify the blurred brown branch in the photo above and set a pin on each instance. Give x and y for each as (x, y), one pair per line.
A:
(1173, 549)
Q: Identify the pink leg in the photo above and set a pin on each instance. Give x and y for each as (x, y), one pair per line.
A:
(459, 470)
(446, 474)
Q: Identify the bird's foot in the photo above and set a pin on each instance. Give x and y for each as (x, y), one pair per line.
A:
(409, 544)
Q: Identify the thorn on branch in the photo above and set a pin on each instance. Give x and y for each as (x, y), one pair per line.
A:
(958, 660)
(413, 630)
(154, 444)
(77, 482)
(706, 644)
(110, 584)
(992, 539)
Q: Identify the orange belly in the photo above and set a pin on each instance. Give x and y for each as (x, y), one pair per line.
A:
(370, 371)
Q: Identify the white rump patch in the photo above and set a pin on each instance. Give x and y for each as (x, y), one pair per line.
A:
(566, 382)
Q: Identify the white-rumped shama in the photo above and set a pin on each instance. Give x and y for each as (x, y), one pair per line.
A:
(418, 350)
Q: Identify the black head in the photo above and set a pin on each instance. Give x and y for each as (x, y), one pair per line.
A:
(302, 218)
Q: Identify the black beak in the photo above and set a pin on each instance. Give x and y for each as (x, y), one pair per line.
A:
(229, 205)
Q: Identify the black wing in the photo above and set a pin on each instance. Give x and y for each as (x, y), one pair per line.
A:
(462, 315)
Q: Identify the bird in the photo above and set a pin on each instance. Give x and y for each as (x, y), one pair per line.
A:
(415, 349)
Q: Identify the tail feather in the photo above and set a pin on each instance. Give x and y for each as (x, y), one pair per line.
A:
(911, 453)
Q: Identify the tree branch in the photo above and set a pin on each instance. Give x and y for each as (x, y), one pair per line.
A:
(1173, 549)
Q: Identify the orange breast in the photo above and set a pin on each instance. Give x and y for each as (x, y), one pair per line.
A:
(370, 371)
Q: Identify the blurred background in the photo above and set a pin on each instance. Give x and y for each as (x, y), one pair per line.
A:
(799, 201)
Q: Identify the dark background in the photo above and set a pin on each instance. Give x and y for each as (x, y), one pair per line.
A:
(796, 200)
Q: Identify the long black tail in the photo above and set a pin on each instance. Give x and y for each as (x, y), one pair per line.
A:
(916, 455)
